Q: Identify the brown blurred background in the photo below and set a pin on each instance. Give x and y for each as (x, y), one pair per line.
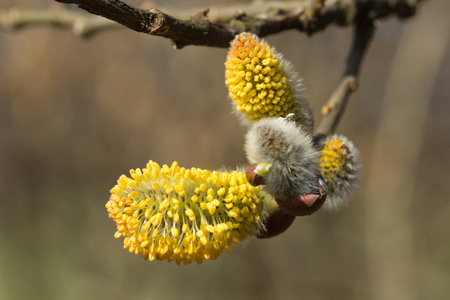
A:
(76, 113)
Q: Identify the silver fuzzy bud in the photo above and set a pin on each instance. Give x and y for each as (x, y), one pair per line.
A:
(289, 149)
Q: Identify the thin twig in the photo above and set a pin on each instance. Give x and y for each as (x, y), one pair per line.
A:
(82, 24)
(335, 107)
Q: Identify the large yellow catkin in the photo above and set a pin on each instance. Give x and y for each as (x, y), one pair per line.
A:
(185, 215)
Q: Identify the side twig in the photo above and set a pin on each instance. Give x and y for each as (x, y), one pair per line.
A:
(335, 107)
(82, 24)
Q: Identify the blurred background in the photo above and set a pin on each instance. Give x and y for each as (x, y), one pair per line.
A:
(77, 113)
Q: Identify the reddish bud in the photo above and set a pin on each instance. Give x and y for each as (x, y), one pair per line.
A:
(276, 224)
(303, 205)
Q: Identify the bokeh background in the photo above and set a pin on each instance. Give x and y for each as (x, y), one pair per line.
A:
(77, 113)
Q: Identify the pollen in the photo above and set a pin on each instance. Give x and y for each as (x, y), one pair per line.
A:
(183, 215)
(334, 158)
(255, 73)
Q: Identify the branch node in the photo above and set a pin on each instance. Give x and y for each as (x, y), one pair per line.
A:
(325, 110)
(201, 15)
(352, 84)
(156, 22)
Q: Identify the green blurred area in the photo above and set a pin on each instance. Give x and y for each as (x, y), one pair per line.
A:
(75, 114)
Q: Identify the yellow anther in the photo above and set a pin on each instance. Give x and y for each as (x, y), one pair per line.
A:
(174, 232)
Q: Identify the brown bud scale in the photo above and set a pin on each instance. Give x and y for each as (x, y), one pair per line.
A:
(303, 205)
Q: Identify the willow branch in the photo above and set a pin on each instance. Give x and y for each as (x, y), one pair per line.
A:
(308, 16)
(214, 27)
(335, 107)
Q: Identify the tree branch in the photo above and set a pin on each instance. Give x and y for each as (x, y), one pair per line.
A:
(335, 107)
(217, 26)
(308, 16)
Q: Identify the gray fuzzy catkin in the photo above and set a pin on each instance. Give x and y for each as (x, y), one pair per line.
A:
(289, 149)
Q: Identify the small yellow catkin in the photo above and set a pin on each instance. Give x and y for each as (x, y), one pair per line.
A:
(340, 166)
(261, 82)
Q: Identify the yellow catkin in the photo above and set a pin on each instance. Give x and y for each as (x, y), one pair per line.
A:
(257, 80)
(340, 166)
(183, 215)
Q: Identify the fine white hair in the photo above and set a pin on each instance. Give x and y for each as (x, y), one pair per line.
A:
(289, 149)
